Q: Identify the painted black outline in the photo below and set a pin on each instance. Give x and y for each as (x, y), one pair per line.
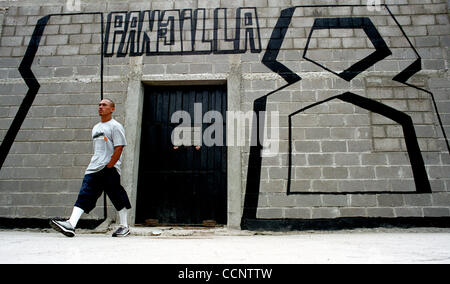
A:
(34, 86)
(270, 60)
(381, 49)
(158, 23)
(412, 145)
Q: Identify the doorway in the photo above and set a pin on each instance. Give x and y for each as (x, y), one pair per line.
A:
(183, 184)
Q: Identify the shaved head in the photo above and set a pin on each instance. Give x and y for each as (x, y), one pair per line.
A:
(111, 102)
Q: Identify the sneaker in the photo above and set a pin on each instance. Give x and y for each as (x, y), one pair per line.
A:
(121, 232)
(63, 227)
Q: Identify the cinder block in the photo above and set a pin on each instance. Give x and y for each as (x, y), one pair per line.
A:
(335, 172)
(307, 173)
(421, 20)
(307, 146)
(11, 41)
(380, 212)
(278, 172)
(362, 200)
(408, 212)
(200, 68)
(318, 213)
(68, 50)
(352, 212)
(324, 186)
(317, 133)
(298, 213)
(333, 146)
(390, 200)
(335, 200)
(361, 172)
(63, 71)
(269, 213)
(418, 200)
(320, 159)
(29, 10)
(441, 199)
(256, 3)
(272, 186)
(436, 212)
(280, 200)
(347, 159)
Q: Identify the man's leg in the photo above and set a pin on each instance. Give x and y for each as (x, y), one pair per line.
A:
(119, 199)
(76, 214)
(87, 198)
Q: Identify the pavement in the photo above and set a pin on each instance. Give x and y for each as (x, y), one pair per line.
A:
(170, 245)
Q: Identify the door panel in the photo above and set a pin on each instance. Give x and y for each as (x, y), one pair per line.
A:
(182, 186)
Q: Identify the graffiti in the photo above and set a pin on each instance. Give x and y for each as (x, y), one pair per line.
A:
(185, 32)
(270, 59)
(32, 83)
(177, 32)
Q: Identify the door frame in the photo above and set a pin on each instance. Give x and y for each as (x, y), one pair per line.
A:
(133, 126)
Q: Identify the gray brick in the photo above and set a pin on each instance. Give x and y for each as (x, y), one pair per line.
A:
(334, 146)
(380, 212)
(68, 50)
(280, 200)
(363, 200)
(324, 186)
(29, 10)
(403, 185)
(408, 212)
(352, 212)
(374, 159)
(335, 172)
(308, 200)
(57, 39)
(318, 213)
(393, 172)
(359, 146)
(90, 49)
(200, 68)
(278, 173)
(347, 159)
(436, 212)
(320, 159)
(297, 213)
(317, 133)
(273, 186)
(441, 199)
(419, 20)
(390, 200)
(307, 146)
(362, 172)
(269, 213)
(335, 200)
(11, 41)
(307, 173)
(177, 68)
(300, 185)
(63, 71)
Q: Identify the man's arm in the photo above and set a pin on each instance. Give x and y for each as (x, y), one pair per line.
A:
(115, 156)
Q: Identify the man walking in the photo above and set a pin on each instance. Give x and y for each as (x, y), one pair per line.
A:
(102, 174)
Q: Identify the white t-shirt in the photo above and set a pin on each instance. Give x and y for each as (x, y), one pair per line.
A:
(106, 136)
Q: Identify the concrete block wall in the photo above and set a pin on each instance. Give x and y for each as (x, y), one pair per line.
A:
(346, 161)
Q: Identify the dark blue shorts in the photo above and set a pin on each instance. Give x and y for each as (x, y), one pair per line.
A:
(107, 180)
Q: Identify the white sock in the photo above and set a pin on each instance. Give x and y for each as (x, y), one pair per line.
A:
(76, 214)
(123, 214)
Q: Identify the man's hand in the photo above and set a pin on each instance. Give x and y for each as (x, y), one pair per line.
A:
(115, 156)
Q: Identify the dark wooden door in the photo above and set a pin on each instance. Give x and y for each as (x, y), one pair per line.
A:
(184, 185)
